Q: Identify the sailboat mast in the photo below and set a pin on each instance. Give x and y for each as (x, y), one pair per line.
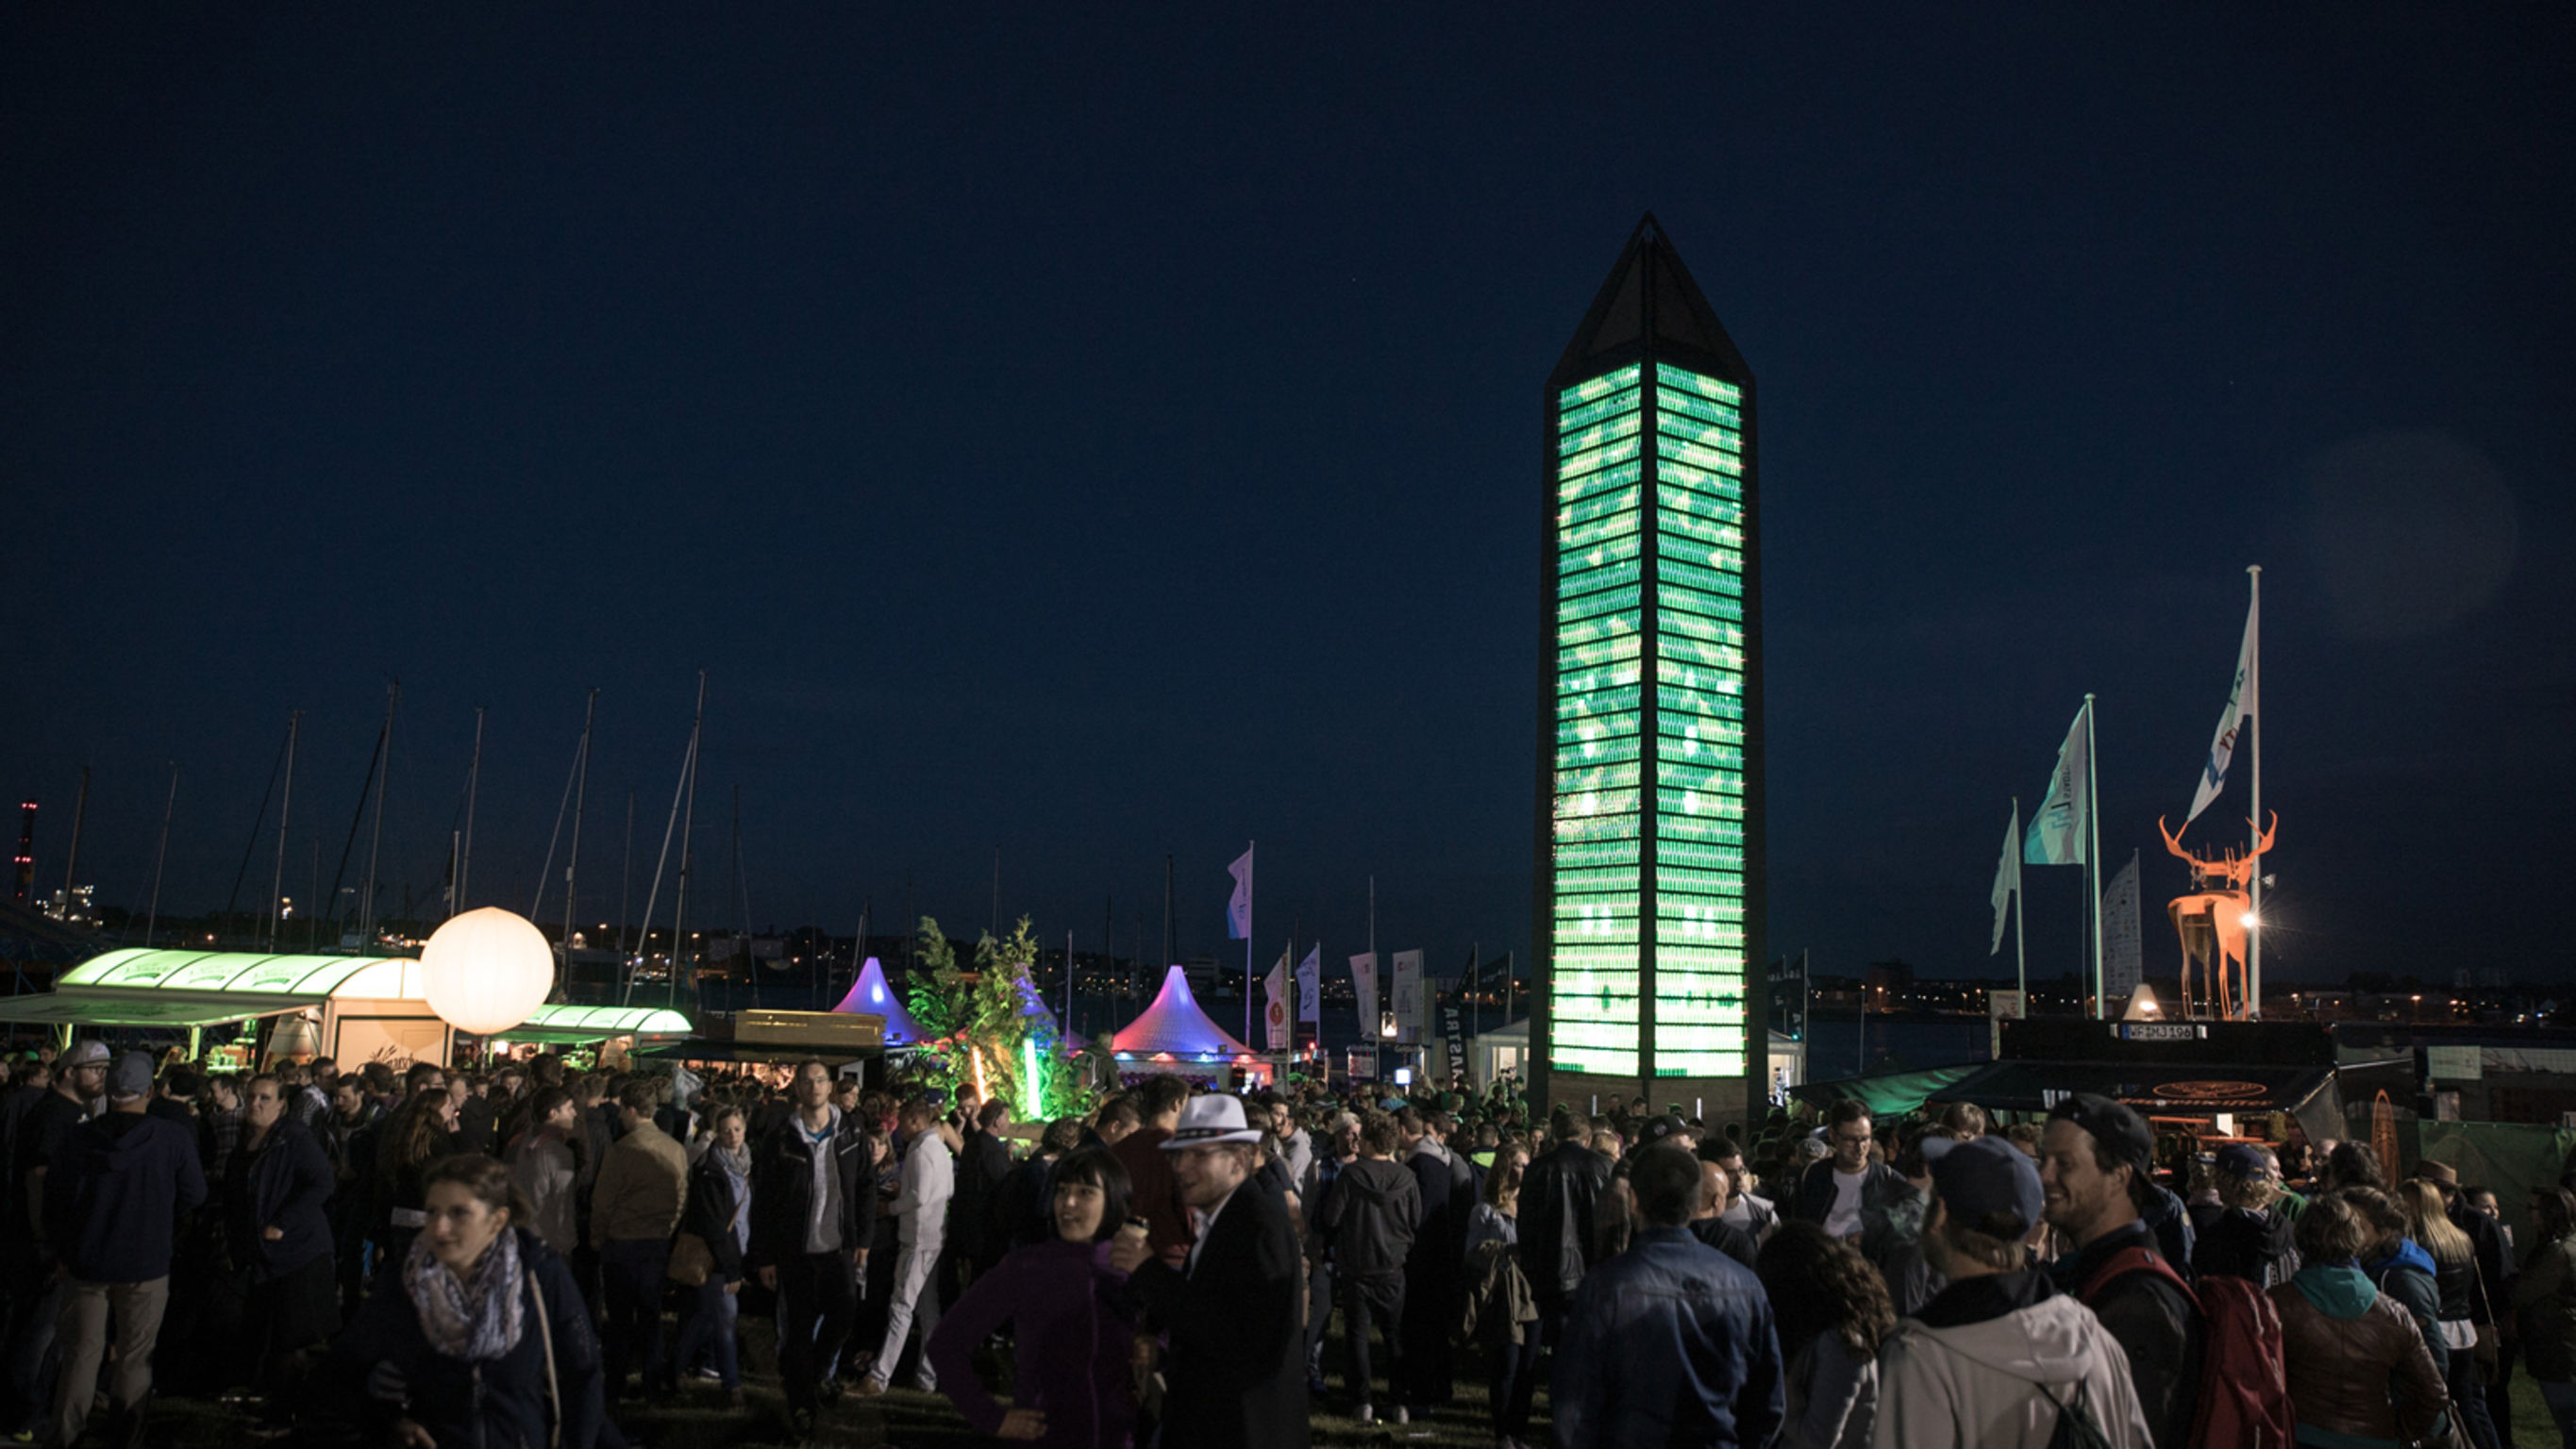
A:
(626, 876)
(376, 839)
(285, 807)
(688, 822)
(644, 945)
(465, 854)
(71, 862)
(572, 862)
(161, 856)
(2254, 690)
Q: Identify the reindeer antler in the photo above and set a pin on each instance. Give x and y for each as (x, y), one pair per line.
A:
(2265, 843)
(2174, 842)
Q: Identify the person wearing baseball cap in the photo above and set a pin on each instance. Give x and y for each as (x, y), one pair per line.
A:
(113, 1197)
(2250, 1237)
(2095, 1161)
(1996, 1358)
(1236, 1370)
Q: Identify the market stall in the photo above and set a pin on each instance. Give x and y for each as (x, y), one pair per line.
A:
(357, 1008)
(1174, 1036)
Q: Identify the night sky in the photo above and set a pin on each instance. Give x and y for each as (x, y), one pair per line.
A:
(1102, 436)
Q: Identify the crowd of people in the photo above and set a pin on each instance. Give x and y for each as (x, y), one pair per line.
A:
(513, 1257)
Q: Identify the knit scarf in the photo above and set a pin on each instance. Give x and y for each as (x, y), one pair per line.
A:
(736, 1162)
(476, 1319)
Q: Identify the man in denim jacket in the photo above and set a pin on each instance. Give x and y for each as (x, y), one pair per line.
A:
(1672, 1341)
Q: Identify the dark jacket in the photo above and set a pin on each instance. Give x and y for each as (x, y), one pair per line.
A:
(1670, 1342)
(1023, 1213)
(1881, 1186)
(782, 1191)
(2488, 1250)
(114, 1194)
(2346, 1346)
(2155, 1324)
(1073, 1332)
(1368, 1217)
(2249, 1243)
(982, 1164)
(1559, 1239)
(285, 1186)
(711, 1209)
(1726, 1237)
(477, 1118)
(501, 1404)
(1448, 1194)
(40, 1137)
(2545, 1299)
(2176, 1238)
(1237, 1366)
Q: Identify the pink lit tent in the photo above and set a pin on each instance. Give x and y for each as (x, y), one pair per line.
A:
(870, 994)
(1175, 1025)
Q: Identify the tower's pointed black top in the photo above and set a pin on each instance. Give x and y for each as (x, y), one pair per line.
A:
(1649, 293)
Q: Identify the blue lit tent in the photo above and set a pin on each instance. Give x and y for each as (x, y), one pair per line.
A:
(871, 995)
(1174, 1026)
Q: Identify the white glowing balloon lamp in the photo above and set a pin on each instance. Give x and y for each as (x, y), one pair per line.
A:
(487, 970)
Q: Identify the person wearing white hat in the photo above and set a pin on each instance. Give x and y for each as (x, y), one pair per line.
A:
(1236, 1373)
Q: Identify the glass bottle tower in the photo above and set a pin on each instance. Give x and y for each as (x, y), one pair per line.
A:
(1648, 903)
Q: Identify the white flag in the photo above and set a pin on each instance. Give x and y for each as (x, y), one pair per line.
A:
(2240, 703)
(2123, 955)
(1310, 993)
(2007, 875)
(1275, 985)
(1408, 996)
(1364, 978)
(1238, 911)
(2058, 827)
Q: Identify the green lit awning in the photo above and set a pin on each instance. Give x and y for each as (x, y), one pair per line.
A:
(172, 1009)
(207, 988)
(234, 971)
(1890, 1095)
(559, 1023)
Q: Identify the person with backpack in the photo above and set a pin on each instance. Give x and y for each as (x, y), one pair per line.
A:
(1368, 1221)
(2355, 1362)
(2250, 1236)
(1999, 1359)
(2095, 1156)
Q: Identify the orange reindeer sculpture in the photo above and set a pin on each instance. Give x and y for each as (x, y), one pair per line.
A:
(2211, 922)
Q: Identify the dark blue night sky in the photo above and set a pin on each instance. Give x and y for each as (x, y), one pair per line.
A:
(1109, 437)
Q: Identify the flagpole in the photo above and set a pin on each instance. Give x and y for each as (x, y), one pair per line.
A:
(1377, 1061)
(1248, 847)
(2021, 909)
(2253, 669)
(2093, 855)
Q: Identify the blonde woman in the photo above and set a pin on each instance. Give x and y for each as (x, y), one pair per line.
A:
(2455, 1277)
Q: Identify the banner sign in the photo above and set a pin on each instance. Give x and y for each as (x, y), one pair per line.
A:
(1408, 997)
(2122, 940)
(1275, 987)
(1453, 1028)
(1364, 981)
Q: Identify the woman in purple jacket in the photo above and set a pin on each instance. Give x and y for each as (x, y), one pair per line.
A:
(1073, 1328)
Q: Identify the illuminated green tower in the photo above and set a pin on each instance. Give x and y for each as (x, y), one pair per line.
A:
(1648, 907)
